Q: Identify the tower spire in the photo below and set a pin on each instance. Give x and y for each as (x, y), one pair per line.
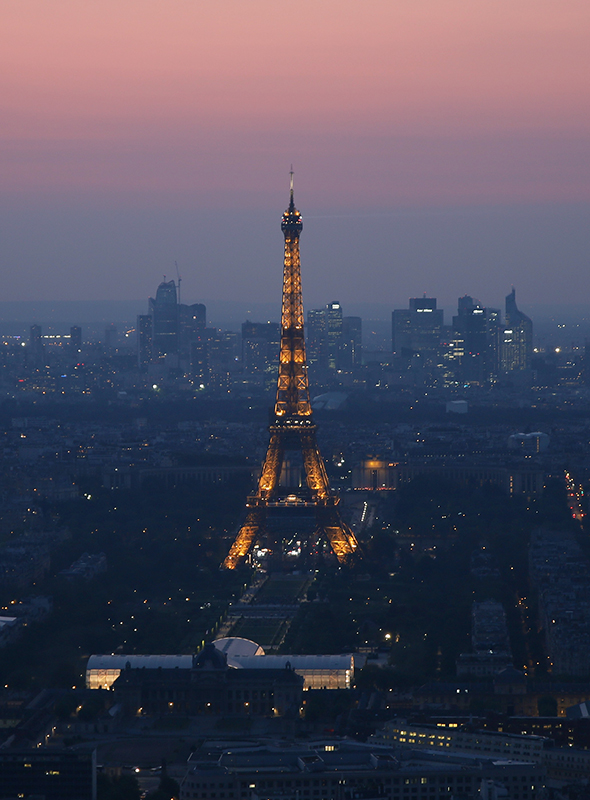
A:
(293, 428)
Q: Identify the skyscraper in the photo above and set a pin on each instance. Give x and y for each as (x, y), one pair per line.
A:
(333, 340)
(165, 320)
(260, 346)
(516, 348)
(111, 338)
(417, 329)
(144, 340)
(470, 326)
(333, 333)
(75, 339)
(316, 338)
(351, 348)
(192, 321)
(172, 329)
(37, 348)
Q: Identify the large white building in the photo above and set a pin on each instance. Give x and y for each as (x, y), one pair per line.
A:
(318, 671)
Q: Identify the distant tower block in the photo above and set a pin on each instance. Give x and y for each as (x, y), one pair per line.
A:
(293, 429)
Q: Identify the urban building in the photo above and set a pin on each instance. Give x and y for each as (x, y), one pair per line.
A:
(210, 686)
(460, 738)
(534, 442)
(509, 692)
(111, 338)
(75, 339)
(351, 348)
(171, 329)
(316, 338)
(144, 340)
(344, 770)
(334, 332)
(418, 329)
(475, 332)
(558, 571)
(37, 348)
(317, 671)
(516, 347)
(334, 342)
(165, 320)
(47, 773)
(375, 473)
(260, 346)
(489, 640)
(192, 321)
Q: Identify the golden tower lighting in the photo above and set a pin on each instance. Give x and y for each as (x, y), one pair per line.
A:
(293, 426)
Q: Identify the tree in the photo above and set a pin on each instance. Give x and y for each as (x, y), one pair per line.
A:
(168, 788)
(122, 787)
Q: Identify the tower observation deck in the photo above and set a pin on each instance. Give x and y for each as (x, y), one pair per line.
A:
(293, 429)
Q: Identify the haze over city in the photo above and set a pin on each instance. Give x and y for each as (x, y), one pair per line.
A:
(439, 147)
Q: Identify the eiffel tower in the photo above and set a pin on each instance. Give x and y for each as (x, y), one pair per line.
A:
(293, 428)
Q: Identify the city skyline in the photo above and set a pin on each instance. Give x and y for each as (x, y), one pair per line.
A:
(438, 148)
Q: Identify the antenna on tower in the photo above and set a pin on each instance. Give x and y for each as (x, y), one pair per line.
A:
(291, 176)
(179, 280)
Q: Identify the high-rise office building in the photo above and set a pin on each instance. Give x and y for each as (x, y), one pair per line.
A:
(172, 329)
(165, 320)
(470, 321)
(144, 340)
(470, 326)
(260, 346)
(333, 333)
(418, 329)
(494, 324)
(516, 346)
(37, 348)
(75, 339)
(199, 357)
(223, 353)
(316, 337)
(333, 340)
(111, 338)
(351, 348)
(192, 321)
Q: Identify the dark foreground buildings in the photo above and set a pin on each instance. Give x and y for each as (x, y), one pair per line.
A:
(345, 770)
(47, 773)
(210, 687)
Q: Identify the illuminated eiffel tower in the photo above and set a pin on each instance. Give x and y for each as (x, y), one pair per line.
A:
(293, 429)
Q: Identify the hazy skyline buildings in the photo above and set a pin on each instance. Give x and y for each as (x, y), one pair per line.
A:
(417, 329)
(334, 341)
(517, 342)
(170, 329)
(478, 329)
(164, 312)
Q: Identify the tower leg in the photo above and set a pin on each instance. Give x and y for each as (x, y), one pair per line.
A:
(342, 540)
(246, 538)
(315, 469)
(271, 469)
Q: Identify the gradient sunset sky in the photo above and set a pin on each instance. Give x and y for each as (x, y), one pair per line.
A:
(439, 146)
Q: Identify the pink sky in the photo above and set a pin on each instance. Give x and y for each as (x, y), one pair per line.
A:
(204, 104)
(187, 96)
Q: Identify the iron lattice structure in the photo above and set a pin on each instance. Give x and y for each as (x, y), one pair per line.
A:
(293, 427)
